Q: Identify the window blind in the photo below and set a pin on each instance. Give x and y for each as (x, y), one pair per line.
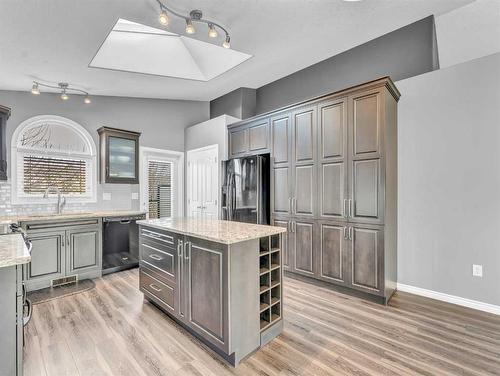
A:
(39, 172)
(160, 189)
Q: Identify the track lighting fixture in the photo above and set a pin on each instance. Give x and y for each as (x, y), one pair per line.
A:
(189, 26)
(64, 87)
(164, 20)
(193, 16)
(212, 32)
(35, 89)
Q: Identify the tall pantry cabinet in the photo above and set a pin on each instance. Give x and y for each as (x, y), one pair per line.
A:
(334, 187)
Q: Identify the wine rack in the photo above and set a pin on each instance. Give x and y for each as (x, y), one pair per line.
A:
(270, 276)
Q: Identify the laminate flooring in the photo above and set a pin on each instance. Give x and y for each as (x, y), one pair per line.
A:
(111, 330)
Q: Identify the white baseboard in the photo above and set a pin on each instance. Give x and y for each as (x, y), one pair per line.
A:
(486, 307)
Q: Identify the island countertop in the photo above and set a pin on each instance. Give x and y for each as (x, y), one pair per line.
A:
(226, 232)
(13, 250)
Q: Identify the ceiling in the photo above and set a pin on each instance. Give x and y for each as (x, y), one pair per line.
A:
(55, 40)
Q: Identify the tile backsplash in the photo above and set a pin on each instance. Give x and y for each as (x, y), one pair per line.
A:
(116, 197)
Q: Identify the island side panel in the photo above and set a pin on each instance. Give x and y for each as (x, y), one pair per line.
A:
(244, 298)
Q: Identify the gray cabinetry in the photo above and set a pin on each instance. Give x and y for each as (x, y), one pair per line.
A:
(11, 322)
(366, 257)
(332, 252)
(213, 289)
(63, 249)
(48, 256)
(303, 234)
(333, 156)
(84, 249)
(334, 166)
(253, 138)
(286, 243)
(207, 292)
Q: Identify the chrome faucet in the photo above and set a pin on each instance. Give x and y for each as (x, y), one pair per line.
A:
(61, 200)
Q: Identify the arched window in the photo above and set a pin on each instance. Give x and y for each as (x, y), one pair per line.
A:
(52, 151)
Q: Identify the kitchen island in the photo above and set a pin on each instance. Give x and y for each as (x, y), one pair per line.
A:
(220, 280)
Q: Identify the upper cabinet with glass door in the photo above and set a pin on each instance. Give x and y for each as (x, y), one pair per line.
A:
(119, 156)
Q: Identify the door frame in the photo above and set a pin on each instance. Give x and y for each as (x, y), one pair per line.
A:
(177, 158)
(215, 147)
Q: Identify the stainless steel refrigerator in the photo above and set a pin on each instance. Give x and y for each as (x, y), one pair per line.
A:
(246, 190)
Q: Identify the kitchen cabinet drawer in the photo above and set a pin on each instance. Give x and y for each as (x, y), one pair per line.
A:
(160, 259)
(157, 288)
(158, 236)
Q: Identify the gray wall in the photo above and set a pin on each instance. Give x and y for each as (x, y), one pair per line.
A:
(239, 103)
(161, 122)
(403, 53)
(449, 180)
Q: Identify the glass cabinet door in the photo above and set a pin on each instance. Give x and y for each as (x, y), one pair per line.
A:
(121, 154)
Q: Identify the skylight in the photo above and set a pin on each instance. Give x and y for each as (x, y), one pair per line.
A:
(137, 48)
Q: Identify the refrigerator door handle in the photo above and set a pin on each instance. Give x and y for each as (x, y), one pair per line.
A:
(259, 190)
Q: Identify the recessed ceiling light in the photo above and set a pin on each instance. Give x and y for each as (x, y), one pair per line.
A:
(352, 1)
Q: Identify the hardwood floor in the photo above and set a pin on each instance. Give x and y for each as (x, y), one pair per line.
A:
(110, 330)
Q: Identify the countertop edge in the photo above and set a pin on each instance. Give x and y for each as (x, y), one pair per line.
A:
(277, 231)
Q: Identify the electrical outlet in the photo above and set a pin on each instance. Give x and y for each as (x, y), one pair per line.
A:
(106, 196)
(477, 270)
(135, 196)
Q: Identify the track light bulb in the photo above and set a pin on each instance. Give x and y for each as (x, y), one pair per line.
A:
(164, 20)
(189, 26)
(64, 96)
(35, 90)
(212, 32)
(87, 99)
(227, 42)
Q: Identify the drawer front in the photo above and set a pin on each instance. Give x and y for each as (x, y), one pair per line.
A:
(159, 236)
(160, 259)
(158, 289)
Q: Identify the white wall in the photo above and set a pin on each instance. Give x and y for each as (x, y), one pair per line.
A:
(469, 32)
(449, 180)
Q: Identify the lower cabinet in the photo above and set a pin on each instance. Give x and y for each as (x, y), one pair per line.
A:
(62, 250)
(342, 253)
(188, 279)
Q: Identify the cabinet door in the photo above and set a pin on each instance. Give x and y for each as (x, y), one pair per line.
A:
(47, 256)
(281, 132)
(281, 203)
(207, 290)
(84, 249)
(366, 163)
(303, 163)
(285, 246)
(367, 191)
(367, 258)
(238, 142)
(258, 135)
(333, 156)
(332, 253)
(303, 234)
(366, 123)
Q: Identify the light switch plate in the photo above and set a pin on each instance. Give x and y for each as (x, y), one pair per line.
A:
(477, 270)
(135, 196)
(106, 196)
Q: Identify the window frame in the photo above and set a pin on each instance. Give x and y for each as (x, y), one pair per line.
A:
(18, 196)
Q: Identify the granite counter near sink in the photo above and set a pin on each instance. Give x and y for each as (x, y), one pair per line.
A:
(13, 250)
(67, 216)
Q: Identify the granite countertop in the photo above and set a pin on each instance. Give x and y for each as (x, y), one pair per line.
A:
(66, 216)
(13, 250)
(226, 232)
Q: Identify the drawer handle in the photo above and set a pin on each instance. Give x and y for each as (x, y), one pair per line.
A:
(154, 287)
(155, 257)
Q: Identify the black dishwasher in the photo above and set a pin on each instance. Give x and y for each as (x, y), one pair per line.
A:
(120, 238)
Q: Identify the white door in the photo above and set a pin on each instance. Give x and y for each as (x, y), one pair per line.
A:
(203, 182)
(161, 182)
